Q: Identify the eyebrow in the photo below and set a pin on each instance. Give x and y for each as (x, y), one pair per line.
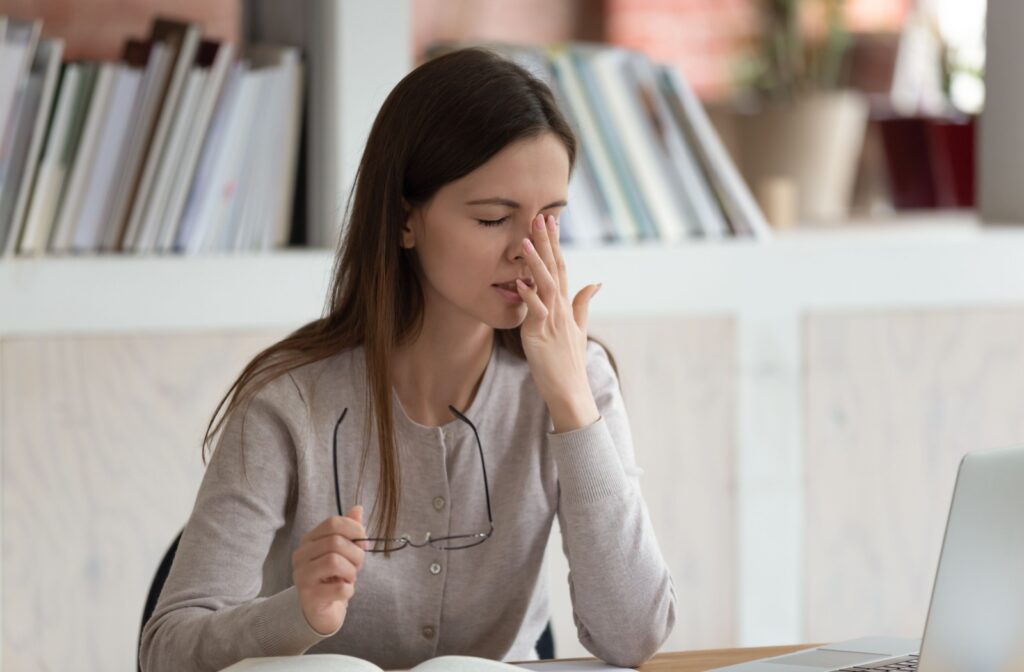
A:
(508, 202)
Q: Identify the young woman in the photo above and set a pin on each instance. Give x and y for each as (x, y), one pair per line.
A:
(386, 477)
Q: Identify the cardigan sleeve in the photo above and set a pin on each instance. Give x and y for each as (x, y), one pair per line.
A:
(622, 593)
(210, 613)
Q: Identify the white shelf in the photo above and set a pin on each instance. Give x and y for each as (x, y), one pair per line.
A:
(803, 270)
(138, 294)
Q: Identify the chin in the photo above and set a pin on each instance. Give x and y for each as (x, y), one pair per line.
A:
(509, 320)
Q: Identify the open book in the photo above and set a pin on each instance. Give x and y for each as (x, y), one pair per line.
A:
(335, 662)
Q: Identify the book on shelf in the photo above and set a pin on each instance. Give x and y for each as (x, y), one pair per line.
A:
(154, 59)
(145, 231)
(28, 125)
(70, 205)
(693, 187)
(182, 39)
(741, 210)
(101, 173)
(18, 40)
(650, 165)
(66, 125)
(163, 212)
(239, 178)
(112, 156)
(595, 168)
(637, 224)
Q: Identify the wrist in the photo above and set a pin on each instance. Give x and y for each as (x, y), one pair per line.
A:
(325, 625)
(573, 412)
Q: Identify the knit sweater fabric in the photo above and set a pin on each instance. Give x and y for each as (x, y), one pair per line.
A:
(230, 594)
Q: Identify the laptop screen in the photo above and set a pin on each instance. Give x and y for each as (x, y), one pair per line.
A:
(976, 617)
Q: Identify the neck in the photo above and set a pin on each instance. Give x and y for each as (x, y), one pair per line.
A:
(430, 373)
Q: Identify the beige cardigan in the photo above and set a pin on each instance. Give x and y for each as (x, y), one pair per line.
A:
(230, 595)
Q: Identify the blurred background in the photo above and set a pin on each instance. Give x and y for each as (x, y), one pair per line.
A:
(900, 82)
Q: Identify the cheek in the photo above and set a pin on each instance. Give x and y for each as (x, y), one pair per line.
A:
(459, 265)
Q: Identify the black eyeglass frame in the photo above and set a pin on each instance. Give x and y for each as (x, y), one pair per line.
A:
(404, 540)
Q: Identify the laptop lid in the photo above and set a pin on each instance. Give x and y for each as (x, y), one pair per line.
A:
(976, 618)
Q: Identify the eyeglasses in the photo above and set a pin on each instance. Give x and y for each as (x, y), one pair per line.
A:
(449, 543)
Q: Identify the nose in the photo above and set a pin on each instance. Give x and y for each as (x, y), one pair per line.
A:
(525, 232)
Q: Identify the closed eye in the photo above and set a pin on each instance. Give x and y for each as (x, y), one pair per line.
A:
(492, 222)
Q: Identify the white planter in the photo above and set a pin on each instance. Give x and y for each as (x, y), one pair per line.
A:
(814, 142)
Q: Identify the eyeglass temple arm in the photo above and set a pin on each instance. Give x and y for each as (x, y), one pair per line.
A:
(483, 464)
(458, 414)
(337, 490)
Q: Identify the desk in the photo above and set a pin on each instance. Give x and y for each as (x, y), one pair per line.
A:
(698, 661)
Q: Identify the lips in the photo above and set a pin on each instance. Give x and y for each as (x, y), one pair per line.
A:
(511, 284)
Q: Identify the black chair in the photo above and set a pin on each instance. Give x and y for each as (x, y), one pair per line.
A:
(154, 592)
(545, 645)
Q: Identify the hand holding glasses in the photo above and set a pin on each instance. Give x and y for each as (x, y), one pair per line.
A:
(446, 543)
(324, 569)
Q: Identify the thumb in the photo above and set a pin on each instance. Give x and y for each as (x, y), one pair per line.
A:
(581, 304)
(356, 514)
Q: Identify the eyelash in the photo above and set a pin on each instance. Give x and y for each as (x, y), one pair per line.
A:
(492, 222)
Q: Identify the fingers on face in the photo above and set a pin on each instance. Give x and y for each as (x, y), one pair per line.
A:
(542, 259)
(533, 300)
(556, 244)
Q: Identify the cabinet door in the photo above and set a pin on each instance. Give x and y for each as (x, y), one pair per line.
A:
(893, 400)
(101, 463)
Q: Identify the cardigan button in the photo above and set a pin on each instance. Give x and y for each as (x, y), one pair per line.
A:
(428, 632)
(438, 503)
(435, 568)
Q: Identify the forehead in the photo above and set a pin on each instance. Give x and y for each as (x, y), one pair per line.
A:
(535, 167)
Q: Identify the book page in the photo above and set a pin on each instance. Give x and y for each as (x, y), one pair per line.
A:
(464, 664)
(312, 662)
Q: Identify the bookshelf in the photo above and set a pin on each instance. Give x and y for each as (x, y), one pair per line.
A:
(162, 150)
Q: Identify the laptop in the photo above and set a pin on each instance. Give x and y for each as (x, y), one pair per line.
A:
(976, 617)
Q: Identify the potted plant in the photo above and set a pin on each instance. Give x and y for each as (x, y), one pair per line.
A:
(799, 123)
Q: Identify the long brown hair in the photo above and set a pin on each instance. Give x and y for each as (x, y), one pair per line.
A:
(442, 121)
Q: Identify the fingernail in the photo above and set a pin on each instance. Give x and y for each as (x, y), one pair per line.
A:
(551, 223)
(599, 286)
(527, 244)
(538, 224)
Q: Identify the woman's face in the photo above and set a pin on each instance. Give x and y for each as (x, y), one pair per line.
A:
(469, 236)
